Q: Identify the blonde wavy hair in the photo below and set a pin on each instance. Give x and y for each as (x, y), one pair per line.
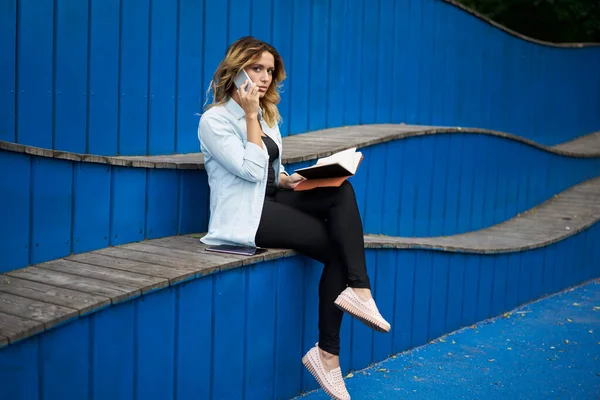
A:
(240, 54)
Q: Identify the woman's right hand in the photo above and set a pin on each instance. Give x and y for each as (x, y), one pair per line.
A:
(249, 99)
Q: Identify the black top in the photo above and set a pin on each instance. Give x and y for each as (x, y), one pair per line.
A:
(273, 155)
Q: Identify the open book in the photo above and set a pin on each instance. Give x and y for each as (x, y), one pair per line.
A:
(330, 171)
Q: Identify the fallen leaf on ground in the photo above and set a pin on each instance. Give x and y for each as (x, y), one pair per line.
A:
(567, 341)
(569, 320)
(350, 375)
(576, 304)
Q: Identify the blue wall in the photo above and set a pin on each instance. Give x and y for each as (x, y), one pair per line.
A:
(243, 332)
(431, 185)
(127, 76)
(51, 208)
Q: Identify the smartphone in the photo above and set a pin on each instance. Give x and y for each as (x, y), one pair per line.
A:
(241, 78)
(240, 250)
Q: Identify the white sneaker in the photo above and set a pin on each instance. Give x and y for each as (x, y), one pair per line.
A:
(364, 311)
(332, 382)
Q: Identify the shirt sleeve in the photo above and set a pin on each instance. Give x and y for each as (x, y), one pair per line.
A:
(218, 139)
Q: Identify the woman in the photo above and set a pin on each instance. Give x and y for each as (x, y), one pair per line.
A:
(252, 202)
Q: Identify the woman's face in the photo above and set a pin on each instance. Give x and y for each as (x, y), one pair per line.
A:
(261, 72)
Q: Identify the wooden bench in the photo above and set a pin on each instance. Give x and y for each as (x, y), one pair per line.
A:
(41, 297)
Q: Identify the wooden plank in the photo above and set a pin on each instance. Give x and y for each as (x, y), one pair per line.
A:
(81, 301)
(207, 262)
(200, 266)
(16, 328)
(172, 273)
(50, 314)
(184, 245)
(145, 283)
(117, 292)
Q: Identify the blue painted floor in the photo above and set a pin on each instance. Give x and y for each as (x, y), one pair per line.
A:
(544, 350)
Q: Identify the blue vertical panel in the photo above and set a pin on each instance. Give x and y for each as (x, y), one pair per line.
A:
(128, 205)
(70, 115)
(526, 277)
(8, 43)
(522, 157)
(282, 37)
(410, 184)
(537, 271)
(112, 360)
(560, 265)
(595, 250)
(261, 19)
(163, 202)
(392, 207)
(439, 294)
(503, 174)
(471, 286)
(451, 201)
(439, 65)
(422, 298)
(353, 60)
(439, 181)
(456, 280)
(300, 62)
(91, 206)
(19, 370)
(377, 184)
(193, 338)
(259, 368)
(399, 78)
(468, 169)
(346, 344)
(480, 181)
(310, 317)
(65, 357)
(215, 38)
(384, 284)
(369, 52)
(104, 45)
(362, 335)
(337, 82)
(288, 330)
(133, 112)
(499, 283)
(190, 89)
(426, 16)
(163, 77)
(491, 181)
(549, 254)
(403, 307)
(34, 72)
(193, 201)
(155, 345)
(512, 171)
(452, 43)
(51, 203)
(360, 181)
(512, 281)
(14, 210)
(486, 283)
(229, 326)
(317, 83)
(578, 257)
(240, 15)
(413, 49)
(426, 161)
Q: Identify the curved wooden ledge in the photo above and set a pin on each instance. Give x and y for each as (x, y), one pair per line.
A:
(316, 144)
(482, 17)
(567, 214)
(43, 296)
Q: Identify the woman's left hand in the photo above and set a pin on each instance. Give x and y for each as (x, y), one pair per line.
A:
(290, 182)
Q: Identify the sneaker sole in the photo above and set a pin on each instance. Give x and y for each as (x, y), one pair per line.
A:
(314, 373)
(348, 307)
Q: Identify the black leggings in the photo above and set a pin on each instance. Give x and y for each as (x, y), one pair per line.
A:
(325, 225)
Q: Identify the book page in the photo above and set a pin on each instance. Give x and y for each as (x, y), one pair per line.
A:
(349, 159)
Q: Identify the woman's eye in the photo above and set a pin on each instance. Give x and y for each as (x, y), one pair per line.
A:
(256, 69)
